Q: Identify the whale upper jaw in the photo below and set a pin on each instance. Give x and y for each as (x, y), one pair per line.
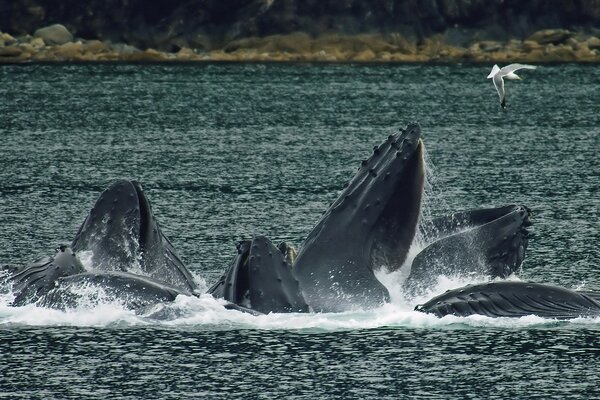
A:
(122, 234)
(371, 224)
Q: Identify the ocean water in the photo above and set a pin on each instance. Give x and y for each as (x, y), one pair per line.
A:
(227, 151)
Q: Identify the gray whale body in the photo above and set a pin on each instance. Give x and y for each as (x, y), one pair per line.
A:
(260, 278)
(371, 224)
(32, 282)
(131, 260)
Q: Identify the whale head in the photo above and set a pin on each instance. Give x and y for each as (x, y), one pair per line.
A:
(371, 225)
(122, 234)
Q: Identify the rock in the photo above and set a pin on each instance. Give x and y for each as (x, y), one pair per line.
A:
(69, 51)
(489, 46)
(124, 48)
(593, 43)
(55, 34)
(150, 55)
(12, 51)
(514, 45)
(551, 36)
(559, 53)
(365, 55)
(402, 44)
(24, 38)
(37, 43)
(530, 45)
(6, 39)
(95, 47)
(585, 54)
(573, 43)
(293, 43)
(451, 53)
(186, 54)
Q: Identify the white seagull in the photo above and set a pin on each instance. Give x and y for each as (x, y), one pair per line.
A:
(498, 74)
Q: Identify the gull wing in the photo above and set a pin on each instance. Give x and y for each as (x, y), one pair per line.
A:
(514, 67)
(499, 85)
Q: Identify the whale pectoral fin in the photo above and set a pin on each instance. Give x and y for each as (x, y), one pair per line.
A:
(449, 256)
(513, 299)
(504, 241)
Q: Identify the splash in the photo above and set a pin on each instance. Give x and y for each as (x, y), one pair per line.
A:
(97, 309)
(204, 312)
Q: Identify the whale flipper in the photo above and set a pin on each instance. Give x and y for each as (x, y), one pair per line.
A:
(484, 242)
(123, 235)
(371, 225)
(513, 299)
(33, 281)
(260, 278)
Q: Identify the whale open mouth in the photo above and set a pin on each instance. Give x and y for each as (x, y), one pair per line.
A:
(122, 234)
(116, 228)
(371, 224)
(394, 231)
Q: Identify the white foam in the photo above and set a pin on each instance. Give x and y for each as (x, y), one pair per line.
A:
(205, 312)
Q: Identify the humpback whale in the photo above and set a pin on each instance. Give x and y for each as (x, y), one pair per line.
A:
(370, 227)
(133, 291)
(131, 258)
(30, 283)
(122, 234)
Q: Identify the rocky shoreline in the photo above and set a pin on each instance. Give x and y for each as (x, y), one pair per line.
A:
(56, 44)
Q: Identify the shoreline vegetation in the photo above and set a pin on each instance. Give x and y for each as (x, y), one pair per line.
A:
(56, 44)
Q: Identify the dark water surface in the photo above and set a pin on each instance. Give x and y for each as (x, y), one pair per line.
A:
(228, 151)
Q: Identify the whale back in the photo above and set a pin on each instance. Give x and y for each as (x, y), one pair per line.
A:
(133, 291)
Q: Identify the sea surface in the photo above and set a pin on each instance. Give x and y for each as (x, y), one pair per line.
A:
(227, 151)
